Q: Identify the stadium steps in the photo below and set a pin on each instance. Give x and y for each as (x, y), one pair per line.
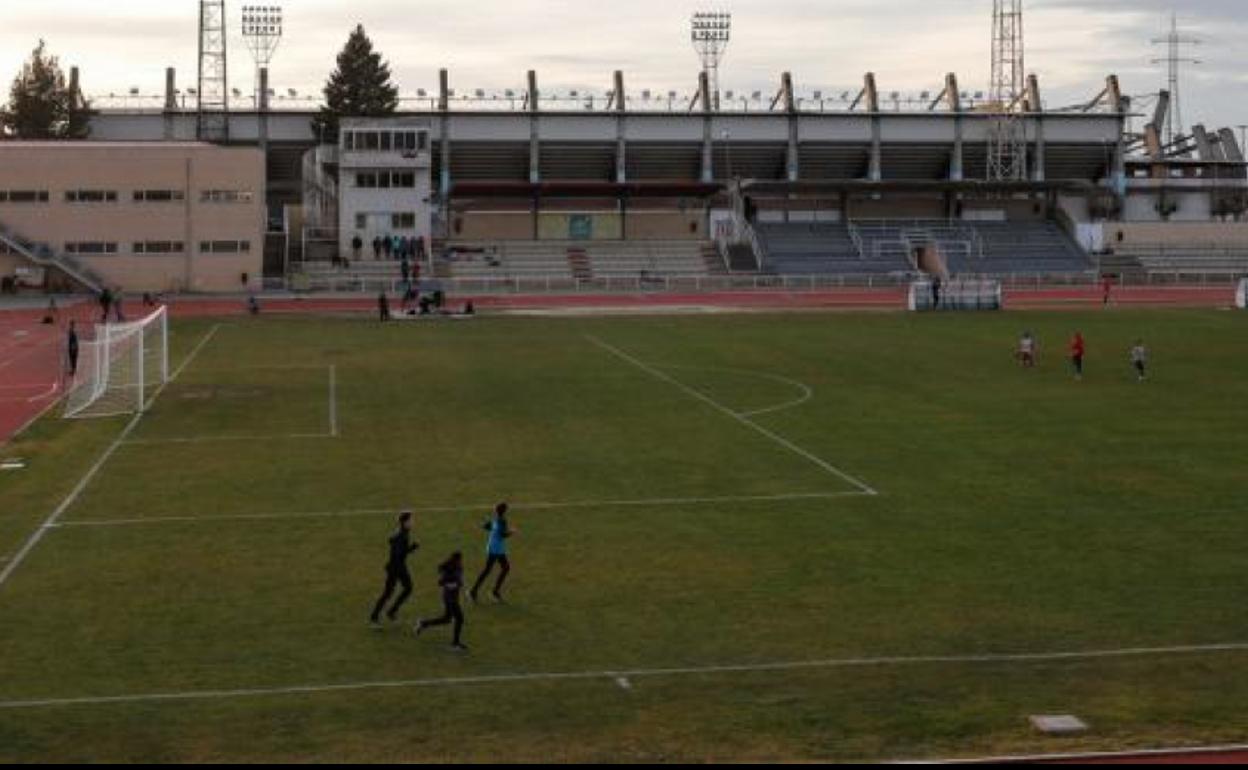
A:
(1161, 259)
(713, 261)
(578, 263)
(45, 256)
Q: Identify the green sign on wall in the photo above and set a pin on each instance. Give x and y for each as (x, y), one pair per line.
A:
(580, 227)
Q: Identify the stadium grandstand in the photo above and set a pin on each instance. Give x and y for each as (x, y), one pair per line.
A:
(636, 190)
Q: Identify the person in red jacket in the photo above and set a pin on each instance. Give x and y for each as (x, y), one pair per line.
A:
(1077, 349)
(1107, 288)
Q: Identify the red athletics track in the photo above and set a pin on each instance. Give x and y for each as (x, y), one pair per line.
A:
(30, 353)
(31, 363)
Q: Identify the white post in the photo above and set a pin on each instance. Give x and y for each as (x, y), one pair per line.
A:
(164, 345)
(141, 351)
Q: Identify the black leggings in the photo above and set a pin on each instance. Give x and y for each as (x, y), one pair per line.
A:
(493, 559)
(393, 579)
(451, 611)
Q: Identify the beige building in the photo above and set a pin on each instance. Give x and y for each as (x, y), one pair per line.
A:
(142, 216)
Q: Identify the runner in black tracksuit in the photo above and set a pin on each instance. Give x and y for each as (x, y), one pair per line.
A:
(451, 579)
(401, 546)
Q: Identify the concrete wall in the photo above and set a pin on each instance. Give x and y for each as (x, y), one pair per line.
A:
(124, 168)
(1122, 235)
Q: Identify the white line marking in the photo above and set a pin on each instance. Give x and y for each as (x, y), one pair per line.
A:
(637, 673)
(1126, 754)
(651, 503)
(807, 392)
(215, 439)
(333, 401)
(56, 386)
(746, 421)
(78, 489)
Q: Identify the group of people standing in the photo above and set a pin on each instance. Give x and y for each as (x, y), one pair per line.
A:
(1028, 350)
(450, 576)
(391, 247)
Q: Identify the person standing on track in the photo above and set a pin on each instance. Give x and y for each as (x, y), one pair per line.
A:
(495, 552)
(71, 349)
(1107, 289)
(451, 580)
(1077, 350)
(401, 546)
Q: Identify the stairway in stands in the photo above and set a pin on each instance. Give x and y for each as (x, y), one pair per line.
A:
(43, 255)
(578, 263)
(714, 261)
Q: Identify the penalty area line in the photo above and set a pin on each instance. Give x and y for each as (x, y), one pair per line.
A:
(569, 505)
(616, 675)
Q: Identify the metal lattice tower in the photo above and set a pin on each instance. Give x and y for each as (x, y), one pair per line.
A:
(1007, 138)
(213, 96)
(710, 34)
(1174, 61)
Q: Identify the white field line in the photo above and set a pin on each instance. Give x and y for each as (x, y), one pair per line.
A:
(1098, 755)
(744, 420)
(333, 401)
(76, 492)
(220, 439)
(571, 505)
(614, 675)
(807, 392)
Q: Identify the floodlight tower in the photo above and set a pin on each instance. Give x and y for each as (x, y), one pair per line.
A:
(1174, 61)
(1007, 138)
(262, 31)
(710, 34)
(213, 94)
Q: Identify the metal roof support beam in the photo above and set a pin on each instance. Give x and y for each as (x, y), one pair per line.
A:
(1035, 107)
(1230, 146)
(953, 99)
(875, 165)
(621, 119)
(444, 103)
(535, 134)
(792, 162)
(708, 158)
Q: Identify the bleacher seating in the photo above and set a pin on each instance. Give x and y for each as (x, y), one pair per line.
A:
(873, 247)
(808, 248)
(1222, 260)
(556, 259)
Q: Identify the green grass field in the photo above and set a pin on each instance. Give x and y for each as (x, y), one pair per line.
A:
(700, 572)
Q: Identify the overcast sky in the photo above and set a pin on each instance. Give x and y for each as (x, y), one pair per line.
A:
(489, 44)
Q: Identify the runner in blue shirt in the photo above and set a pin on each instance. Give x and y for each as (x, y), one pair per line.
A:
(495, 552)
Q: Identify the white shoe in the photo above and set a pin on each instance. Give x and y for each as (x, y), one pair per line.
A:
(418, 628)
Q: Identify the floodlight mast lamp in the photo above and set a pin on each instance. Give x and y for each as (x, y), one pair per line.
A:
(710, 33)
(262, 31)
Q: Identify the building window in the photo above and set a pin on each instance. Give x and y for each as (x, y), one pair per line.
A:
(366, 180)
(158, 196)
(23, 196)
(348, 140)
(224, 247)
(361, 221)
(91, 247)
(403, 220)
(225, 196)
(159, 247)
(371, 140)
(90, 196)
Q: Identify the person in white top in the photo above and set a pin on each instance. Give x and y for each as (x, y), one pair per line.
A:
(1139, 360)
(1027, 350)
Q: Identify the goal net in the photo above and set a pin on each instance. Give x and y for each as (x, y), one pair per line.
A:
(120, 370)
(1241, 295)
(955, 294)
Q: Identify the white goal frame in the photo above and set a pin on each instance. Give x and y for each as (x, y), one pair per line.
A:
(116, 369)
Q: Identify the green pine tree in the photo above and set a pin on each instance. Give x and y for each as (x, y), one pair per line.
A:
(41, 104)
(359, 87)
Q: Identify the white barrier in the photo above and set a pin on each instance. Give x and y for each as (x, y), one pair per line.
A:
(926, 295)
